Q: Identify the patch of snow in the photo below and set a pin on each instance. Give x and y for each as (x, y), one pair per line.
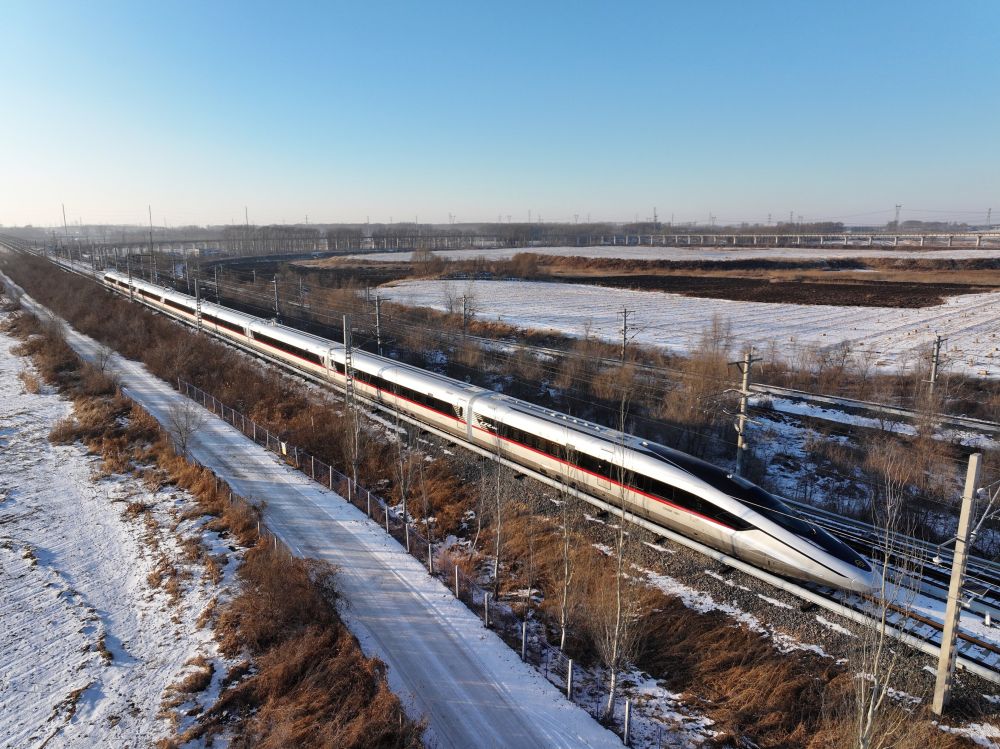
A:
(775, 601)
(982, 734)
(88, 647)
(704, 602)
(834, 626)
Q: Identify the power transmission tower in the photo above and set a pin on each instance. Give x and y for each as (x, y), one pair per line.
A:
(197, 301)
(946, 659)
(348, 364)
(741, 418)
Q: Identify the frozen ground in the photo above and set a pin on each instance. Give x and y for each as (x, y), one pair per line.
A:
(886, 337)
(87, 646)
(472, 688)
(699, 253)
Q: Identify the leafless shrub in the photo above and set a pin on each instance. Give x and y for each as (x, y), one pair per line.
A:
(32, 384)
(184, 419)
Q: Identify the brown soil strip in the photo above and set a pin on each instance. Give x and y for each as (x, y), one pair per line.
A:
(850, 293)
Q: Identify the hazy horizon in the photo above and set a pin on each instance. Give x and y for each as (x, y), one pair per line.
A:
(401, 112)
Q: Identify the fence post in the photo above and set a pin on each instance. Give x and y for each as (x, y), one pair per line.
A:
(524, 639)
(626, 739)
(456, 583)
(569, 679)
(386, 508)
(368, 500)
(486, 610)
(331, 478)
(312, 467)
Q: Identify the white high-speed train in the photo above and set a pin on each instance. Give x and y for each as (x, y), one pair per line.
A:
(665, 486)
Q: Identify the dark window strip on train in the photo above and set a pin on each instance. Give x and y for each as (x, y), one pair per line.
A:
(176, 306)
(222, 324)
(288, 348)
(424, 399)
(606, 469)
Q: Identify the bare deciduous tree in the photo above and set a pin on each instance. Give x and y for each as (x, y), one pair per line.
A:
(617, 614)
(499, 508)
(568, 514)
(184, 419)
(879, 722)
(354, 444)
(103, 357)
(403, 467)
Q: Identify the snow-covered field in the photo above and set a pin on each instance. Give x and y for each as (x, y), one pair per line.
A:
(88, 649)
(700, 253)
(886, 336)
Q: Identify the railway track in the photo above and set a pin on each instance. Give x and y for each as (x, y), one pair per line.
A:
(975, 654)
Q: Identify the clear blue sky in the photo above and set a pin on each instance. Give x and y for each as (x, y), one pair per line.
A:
(345, 111)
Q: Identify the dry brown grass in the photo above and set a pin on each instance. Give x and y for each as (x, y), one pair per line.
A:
(106, 655)
(32, 383)
(135, 509)
(311, 685)
(198, 680)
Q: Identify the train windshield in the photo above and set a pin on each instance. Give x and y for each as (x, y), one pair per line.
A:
(778, 512)
(761, 502)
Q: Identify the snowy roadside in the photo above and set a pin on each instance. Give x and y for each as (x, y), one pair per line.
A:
(472, 688)
(89, 648)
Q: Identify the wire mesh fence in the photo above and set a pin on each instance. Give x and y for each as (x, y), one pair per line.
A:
(525, 635)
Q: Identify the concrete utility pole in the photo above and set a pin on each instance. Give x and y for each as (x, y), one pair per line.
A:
(624, 314)
(935, 362)
(741, 419)
(946, 660)
(152, 261)
(275, 282)
(378, 325)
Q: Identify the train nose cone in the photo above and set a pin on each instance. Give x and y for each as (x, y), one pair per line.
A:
(861, 581)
